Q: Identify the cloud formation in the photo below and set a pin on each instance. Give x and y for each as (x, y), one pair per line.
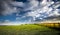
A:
(38, 9)
(45, 9)
(8, 7)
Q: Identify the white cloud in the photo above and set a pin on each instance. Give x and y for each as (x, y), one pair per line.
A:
(56, 5)
(31, 5)
(18, 18)
(37, 8)
(17, 14)
(44, 8)
(18, 4)
(56, 12)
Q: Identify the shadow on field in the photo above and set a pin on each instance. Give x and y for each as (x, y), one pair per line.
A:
(55, 32)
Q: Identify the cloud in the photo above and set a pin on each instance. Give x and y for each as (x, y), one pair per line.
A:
(37, 9)
(8, 7)
(45, 8)
(18, 4)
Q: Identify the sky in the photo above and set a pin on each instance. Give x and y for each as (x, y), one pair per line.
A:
(29, 10)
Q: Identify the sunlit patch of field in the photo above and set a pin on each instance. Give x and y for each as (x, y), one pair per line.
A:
(27, 29)
(56, 25)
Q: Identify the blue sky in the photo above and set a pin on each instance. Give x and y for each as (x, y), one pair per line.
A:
(28, 10)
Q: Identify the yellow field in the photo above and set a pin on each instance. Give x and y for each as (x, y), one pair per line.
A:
(57, 25)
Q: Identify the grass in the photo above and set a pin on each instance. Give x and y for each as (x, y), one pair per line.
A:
(28, 29)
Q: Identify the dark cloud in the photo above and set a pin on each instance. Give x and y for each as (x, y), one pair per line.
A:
(53, 17)
(5, 7)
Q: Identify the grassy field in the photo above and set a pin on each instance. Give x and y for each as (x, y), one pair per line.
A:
(27, 29)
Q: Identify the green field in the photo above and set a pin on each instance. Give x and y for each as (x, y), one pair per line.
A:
(27, 29)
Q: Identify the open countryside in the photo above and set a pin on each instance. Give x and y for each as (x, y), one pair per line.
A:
(31, 29)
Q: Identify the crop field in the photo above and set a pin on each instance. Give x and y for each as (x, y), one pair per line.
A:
(28, 29)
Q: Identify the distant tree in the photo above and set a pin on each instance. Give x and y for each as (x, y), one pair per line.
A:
(58, 24)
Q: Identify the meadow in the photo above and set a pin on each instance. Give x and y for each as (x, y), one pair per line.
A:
(28, 29)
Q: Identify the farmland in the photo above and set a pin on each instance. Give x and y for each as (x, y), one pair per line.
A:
(30, 29)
